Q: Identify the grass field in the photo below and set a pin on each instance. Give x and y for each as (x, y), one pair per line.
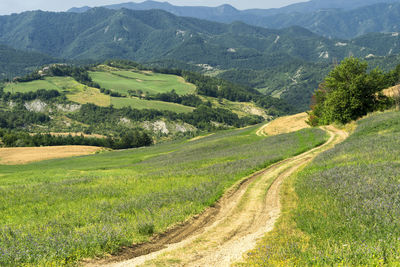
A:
(137, 103)
(57, 212)
(76, 91)
(123, 81)
(90, 95)
(343, 209)
(49, 83)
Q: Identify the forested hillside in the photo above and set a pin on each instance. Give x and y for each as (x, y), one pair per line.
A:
(16, 62)
(340, 19)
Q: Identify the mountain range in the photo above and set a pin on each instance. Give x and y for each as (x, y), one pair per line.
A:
(287, 63)
(102, 33)
(338, 19)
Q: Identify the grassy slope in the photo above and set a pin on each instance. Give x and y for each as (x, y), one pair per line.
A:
(49, 83)
(123, 81)
(137, 103)
(62, 210)
(345, 208)
(82, 94)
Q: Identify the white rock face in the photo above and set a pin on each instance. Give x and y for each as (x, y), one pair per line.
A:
(341, 44)
(370, 56)
(324, 55)
(232, 50)
(36, 106)
(160, 126)
(125, 120)
(68, 107)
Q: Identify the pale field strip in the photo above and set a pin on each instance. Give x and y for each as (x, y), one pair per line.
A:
(24, 155)
(285, 124)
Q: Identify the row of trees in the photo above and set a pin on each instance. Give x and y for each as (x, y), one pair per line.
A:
(129, 139)
(186, 100)
(42, 94)
(80, 74)
(350, 92)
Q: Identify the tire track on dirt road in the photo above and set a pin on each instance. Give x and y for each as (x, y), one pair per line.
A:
(223, 233)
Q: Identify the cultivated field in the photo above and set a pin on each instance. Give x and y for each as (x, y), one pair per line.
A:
(23, 155)
(343, 209)
(123, 81)
(60, 211)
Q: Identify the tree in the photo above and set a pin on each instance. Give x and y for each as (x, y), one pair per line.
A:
(348, 93)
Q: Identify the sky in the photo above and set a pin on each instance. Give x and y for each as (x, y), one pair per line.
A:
(17, 6)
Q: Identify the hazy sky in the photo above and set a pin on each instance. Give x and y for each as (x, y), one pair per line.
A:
(16, 6)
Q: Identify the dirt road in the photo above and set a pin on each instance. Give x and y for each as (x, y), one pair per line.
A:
(222, 234)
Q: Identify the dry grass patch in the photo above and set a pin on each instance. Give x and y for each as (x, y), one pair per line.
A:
(287, 124)
(23, 155)
(392, 91)
(91, 95)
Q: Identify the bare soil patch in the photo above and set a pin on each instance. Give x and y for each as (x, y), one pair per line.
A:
(23, 155)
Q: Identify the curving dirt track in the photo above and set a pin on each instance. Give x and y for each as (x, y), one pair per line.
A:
(223, 233)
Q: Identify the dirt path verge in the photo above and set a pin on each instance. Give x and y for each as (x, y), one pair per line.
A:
(223, 233)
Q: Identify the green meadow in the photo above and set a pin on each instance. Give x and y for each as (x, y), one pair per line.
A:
(123, 81)
(49, 83)
(344, 208)
(136, 103)
(59, 211)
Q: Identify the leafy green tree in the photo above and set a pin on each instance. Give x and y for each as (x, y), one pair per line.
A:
(348, 93)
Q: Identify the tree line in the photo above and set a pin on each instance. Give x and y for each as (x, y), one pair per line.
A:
(128, 139)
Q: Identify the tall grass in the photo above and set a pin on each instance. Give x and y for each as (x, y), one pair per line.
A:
(57, 212)
(346, 206)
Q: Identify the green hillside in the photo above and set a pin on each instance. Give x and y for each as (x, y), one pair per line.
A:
(123, 81)
(137, 103)
(111, 102)
(88, 206)
(345, 207)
